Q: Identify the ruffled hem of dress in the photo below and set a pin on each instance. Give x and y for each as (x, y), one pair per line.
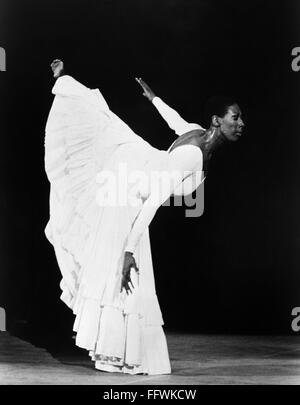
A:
(118, 341)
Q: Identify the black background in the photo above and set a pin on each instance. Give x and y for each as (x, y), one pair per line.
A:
(235, 268)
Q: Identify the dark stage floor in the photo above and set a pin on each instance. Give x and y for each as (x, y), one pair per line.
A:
(196, 359)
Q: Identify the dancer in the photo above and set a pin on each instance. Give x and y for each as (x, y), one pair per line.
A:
(103, 250)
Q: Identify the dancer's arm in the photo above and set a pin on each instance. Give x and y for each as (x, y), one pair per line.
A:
(184, 161)
(172, 118)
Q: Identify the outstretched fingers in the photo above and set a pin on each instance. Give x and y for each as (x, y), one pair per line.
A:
(126, 281)
(142, 83)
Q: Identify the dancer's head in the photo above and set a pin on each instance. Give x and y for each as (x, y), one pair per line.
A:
(224, 114)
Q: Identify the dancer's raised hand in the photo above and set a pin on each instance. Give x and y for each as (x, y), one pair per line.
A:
(148, 93)
(129, 262)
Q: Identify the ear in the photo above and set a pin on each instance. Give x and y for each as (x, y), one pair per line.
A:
(215, 121)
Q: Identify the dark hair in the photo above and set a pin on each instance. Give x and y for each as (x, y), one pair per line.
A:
(217, 105)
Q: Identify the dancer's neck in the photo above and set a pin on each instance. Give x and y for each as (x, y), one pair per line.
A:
(211, 140)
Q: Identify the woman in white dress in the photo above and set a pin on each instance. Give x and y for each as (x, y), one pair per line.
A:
(103, 249)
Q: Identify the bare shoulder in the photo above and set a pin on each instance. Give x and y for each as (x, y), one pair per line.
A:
(195, 136)
(189, 138)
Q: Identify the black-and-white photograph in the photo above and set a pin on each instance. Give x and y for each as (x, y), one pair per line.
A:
(150, 198)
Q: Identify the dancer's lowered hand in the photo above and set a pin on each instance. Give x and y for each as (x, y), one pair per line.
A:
(129, 262)
(148, 93)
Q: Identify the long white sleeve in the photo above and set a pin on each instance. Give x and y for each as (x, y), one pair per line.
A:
(189, 184)
(173, 119)
(184, 161)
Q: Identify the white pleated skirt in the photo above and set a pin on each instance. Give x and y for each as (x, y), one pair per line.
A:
(123, 333)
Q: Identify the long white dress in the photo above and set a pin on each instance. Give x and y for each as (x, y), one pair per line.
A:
(84, 138)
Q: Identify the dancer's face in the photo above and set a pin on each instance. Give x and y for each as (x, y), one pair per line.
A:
(231, 125)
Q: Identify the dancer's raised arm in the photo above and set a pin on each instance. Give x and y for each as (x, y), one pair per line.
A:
(172, 118)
